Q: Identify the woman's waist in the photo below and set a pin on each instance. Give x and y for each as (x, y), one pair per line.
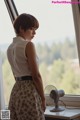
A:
(21, 78)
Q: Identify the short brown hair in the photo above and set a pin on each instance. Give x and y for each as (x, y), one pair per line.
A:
(25, 21)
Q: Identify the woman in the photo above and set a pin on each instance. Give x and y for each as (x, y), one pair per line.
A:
(27, 100)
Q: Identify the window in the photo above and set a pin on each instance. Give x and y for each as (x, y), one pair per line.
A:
(55, 43)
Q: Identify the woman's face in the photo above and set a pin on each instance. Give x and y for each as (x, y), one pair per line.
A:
(28, 34)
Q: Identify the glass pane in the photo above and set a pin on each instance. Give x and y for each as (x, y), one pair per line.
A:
(55, 43)
(6, 35)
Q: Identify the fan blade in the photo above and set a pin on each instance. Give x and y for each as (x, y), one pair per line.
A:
(54, 95)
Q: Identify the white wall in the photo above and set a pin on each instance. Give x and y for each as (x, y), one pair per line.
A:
(2, 101)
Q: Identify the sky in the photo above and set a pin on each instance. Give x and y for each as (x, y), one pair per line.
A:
(56, 20)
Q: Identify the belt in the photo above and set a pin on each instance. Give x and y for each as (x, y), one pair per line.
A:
(24, 78)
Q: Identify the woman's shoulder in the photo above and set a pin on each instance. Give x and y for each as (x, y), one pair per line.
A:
(30, 48)
(30, 45)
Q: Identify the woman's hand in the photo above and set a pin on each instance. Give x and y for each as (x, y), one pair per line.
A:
(43, 105)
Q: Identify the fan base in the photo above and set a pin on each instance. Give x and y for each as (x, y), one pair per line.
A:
(59, 109)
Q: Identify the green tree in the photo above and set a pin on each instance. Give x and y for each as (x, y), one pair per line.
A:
(56, 72)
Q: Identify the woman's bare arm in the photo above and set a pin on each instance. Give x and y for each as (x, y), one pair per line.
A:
(31, 54)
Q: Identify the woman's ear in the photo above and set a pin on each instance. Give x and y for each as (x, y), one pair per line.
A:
(21, 30)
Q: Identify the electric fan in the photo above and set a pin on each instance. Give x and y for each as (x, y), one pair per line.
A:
(55, 94)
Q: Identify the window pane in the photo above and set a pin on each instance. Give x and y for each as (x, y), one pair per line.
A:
(55, 43)
(6, 35)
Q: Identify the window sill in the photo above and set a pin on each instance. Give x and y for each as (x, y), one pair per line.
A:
(69, 100)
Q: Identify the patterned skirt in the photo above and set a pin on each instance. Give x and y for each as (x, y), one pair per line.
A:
(25, 102)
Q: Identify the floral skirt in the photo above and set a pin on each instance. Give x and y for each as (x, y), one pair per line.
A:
(25, 102)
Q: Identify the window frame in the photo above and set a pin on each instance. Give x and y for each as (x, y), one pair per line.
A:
(76, 18)
(13, 13)
(68, 99)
